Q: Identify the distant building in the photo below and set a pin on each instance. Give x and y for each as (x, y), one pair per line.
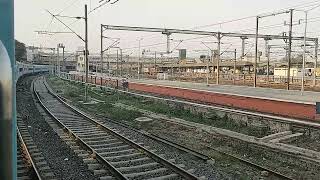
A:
(294, 71)
(81, 63)
(182, 54)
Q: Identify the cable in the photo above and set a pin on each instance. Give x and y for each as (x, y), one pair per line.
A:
(248, 17)
(275, 25)
(223, 22)
(47, 27)
(104, 3)
(65, 8)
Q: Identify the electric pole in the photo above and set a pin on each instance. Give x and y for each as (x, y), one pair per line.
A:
(316, 61)
(52, 60)
(86, 51)
(218, 57)
(155, 62)
(304, 52)
(234, 66)
(117, 73)
(58, 61)
(289, 50)
(63, 60)
(256, 53)
(120, 62)
(268, 63)
(101, 48)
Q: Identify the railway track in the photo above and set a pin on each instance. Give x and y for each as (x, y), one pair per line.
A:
(31, 164)
(204, 157)
(25, 168)
(122, 157)
(195, 153)
(200, 155)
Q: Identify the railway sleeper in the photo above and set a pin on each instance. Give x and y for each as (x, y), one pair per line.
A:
(116, 153)
(140, 168)
(105, 143)
(149, 174)
(131, 156)
(115, 148)
(97, 135)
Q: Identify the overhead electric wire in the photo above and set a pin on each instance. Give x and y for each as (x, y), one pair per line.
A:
(77, 19)
(47, 27)
(104, 3)
(66, 25)
(253, 16)
(70, 5)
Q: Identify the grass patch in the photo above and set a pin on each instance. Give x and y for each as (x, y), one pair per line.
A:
(74, 92)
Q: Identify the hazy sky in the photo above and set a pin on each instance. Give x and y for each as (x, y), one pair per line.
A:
(31, 15)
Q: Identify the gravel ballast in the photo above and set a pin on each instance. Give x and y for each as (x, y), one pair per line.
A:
(64, 163)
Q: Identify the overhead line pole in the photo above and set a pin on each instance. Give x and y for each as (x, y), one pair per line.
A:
(304, 52)
(63, 60)
(234, 66)
(121, 62)
(218, 57)
(289, 50)
(86, 51)
(58, 61)
(256, 53)
(139, 59)
(265, 37)
(117, 73)
(316, 62)
(101, 48)
(268, 64)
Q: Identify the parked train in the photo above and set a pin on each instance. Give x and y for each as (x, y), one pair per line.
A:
(22, 69)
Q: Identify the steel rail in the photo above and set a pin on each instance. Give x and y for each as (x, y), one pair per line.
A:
(220, 108)
(156, 138)
(198, 154)
(25, 148)
(117, 174)
(185, 174)
(195, 153)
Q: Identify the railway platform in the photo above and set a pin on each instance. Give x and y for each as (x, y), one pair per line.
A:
(279, 102)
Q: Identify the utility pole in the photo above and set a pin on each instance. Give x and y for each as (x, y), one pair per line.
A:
(155, 62)
(218, 57)
(256, 53)
(256, 43)
(117, 64)
(85, 40)
(101, 48)
(52, 60)
(139, 59)
(86, 51)
(168, 42)
(316, 61)
(304, 52)
(128, 69)
(58, 61)
(268, 63)
(234, 66)
(289, 50)
(108, 63)
(120, 62)
(64, 61)
(207, 73)
(243, 45)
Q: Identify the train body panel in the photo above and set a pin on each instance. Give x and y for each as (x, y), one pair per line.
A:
(23, 69)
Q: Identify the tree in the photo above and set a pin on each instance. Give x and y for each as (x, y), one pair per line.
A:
(20, 51)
